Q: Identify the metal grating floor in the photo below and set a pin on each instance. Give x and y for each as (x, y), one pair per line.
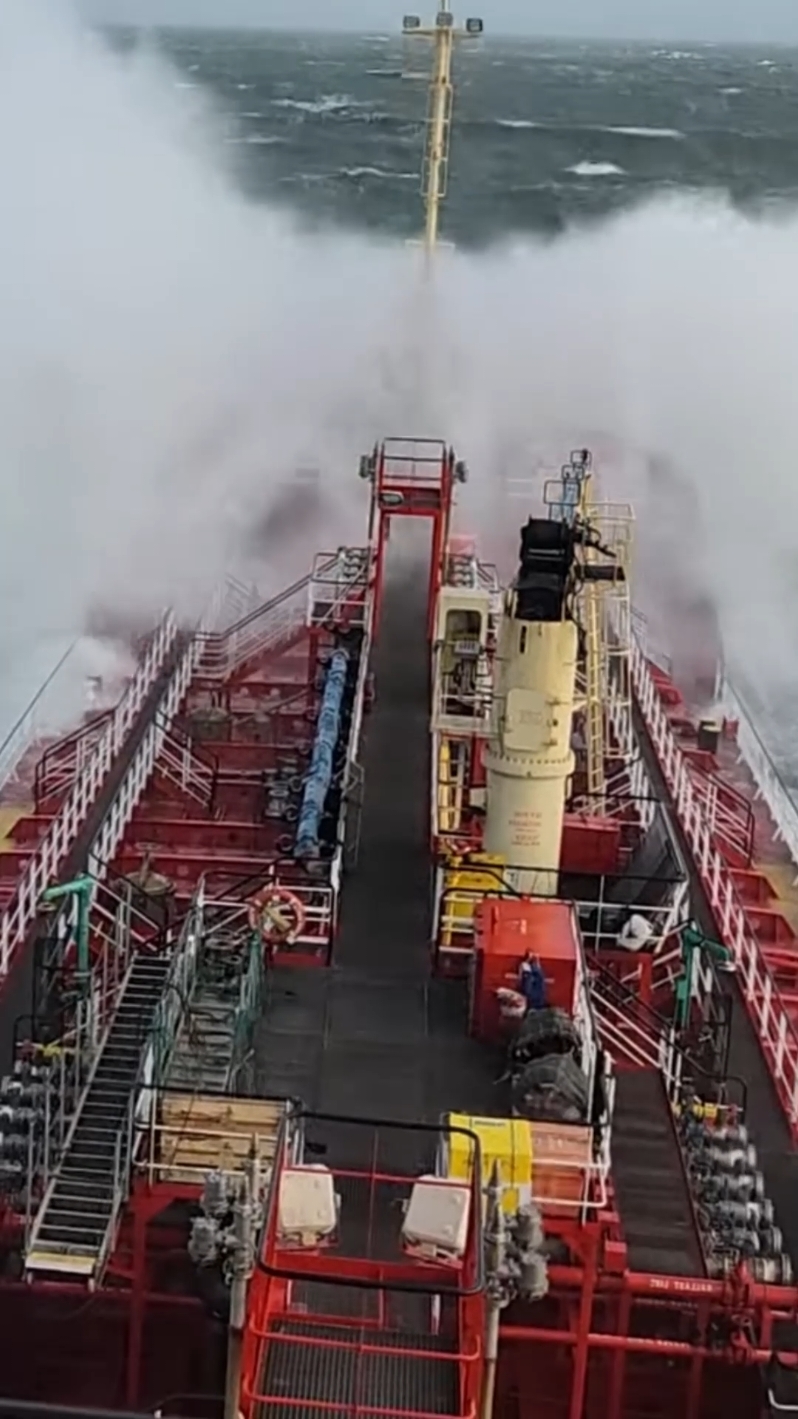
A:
(650, 1184)
(344, 1374)
(376, 1035)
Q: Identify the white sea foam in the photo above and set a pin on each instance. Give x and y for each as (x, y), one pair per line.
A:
(169, 353)
(634, 132)
(586, 168)
(328, 103)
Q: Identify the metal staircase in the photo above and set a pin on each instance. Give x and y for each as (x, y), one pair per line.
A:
(73, 1228)
(649, 1178)
(213, 1037)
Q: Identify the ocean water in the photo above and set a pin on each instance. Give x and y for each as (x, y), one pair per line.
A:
(546, 135)
(204, 287)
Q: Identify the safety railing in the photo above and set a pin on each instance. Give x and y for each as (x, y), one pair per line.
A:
(768, 780)
(777, 1033)
(43, 865)
(64, 760)
(731, 815)
(640, 787)
(465, 570)
(117, 930)
(420, 461)
(628, 1027)
(338, 589)
(600, 917)
(42, 716)
(458, 709)
(227, 915)
(180, 765)
(139, 770)
(178, 987)
(269, 628)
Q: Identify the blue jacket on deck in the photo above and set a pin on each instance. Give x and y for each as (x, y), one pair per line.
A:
(532, 985)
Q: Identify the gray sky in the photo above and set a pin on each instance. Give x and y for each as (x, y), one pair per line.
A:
(748, 20)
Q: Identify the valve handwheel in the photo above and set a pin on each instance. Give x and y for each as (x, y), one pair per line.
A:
(278, 916)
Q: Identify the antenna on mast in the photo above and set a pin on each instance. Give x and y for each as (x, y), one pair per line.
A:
(435, 168)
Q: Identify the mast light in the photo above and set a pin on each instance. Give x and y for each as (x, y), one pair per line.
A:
(444, 20)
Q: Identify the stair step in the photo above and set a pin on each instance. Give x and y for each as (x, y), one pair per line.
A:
(650, 1185)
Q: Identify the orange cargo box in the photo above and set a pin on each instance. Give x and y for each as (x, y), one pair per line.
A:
(561, 1158)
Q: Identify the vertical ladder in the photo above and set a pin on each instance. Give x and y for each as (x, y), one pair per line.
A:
(594, 708)
(452, 784)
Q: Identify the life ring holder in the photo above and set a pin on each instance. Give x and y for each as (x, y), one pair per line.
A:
(277, 915)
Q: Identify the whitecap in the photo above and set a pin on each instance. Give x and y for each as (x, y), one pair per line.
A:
(635, 132)
(378, 172)
(731, 91)
(328, 103)
(516, 123)
(591, 169)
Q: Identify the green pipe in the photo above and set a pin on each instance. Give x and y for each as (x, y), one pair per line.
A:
(80, 888)
(693, 941)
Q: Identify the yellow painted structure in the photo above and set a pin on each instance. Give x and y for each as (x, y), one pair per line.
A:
(506, 1141)
(8, 817)
(465, 883)
(529, 758)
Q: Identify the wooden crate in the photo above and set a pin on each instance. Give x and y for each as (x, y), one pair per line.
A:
(200, 1133)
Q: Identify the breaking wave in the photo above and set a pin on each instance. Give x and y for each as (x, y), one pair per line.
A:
(586, 168)
(188, 351)
(633, 132)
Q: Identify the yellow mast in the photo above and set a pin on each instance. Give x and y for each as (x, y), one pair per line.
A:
(443, 34)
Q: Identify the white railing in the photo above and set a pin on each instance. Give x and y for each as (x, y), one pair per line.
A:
(777, 1033)
(268, 628)
(140, 769)
(65, 759)
(339, 583)
(729, 812)
(769, 783)
(229, 917)
(44, 864)
(185, 770)
(41, 717)
(453, 921)
(623, 1034)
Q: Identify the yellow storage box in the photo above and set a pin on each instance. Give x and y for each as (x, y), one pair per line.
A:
(506, 1141)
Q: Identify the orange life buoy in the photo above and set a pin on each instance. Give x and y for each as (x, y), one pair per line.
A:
(277, 914)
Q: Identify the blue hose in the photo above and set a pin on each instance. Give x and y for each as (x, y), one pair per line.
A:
(317, 784)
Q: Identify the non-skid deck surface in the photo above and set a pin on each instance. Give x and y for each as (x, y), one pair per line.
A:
(376, 1036)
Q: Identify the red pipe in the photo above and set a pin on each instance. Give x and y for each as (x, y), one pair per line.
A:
(683, 1288)
(601, 1340)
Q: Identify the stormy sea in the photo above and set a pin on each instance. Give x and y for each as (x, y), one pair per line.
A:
(546, 135)
(206, 285)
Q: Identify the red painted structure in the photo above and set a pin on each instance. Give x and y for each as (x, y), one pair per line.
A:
(606, 1343)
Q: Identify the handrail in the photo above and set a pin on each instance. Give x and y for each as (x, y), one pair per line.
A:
(777, 1033)
(646, 1017)
(43, 865)
(23, 731)
(777, 796)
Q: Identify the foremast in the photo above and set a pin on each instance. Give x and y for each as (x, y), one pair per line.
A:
(444, 34)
